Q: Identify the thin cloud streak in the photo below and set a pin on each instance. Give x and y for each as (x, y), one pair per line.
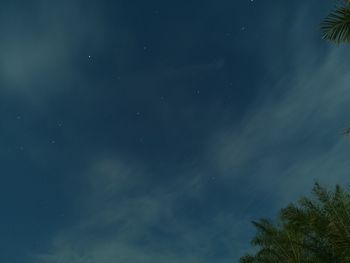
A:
(291, 138)
(273, 155)
(125, 217)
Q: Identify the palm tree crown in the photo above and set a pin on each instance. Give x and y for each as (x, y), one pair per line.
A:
(314, 230)
(336, 26)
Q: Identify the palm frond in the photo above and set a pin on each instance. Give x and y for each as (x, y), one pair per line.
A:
(336, 26)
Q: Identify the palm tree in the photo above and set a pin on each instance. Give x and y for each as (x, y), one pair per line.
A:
(312, 230)
(277, 243)
(336, 26)
(324, 222)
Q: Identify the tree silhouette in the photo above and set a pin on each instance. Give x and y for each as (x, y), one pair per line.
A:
(336, 26)
(314, 229)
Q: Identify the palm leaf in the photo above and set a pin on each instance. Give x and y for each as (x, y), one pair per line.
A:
(336, 26)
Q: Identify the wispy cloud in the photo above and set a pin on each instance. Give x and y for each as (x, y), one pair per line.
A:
(289, 139)
(292, 136)
(44, 49)
(125, 216)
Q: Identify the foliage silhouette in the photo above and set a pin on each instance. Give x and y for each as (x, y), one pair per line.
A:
(336, 26)
(314, 229)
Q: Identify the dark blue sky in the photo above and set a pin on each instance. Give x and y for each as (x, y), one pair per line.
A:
(155, 131)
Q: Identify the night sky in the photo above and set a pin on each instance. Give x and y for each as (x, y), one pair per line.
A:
(156, 131)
